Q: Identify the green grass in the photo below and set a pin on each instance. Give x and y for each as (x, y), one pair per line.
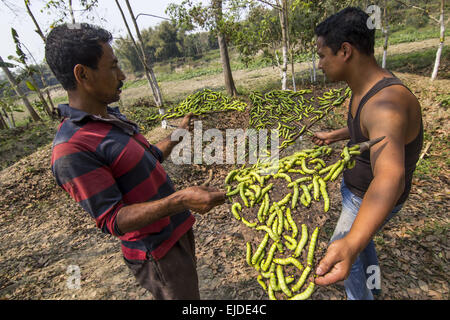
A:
(417, 62)
(409, 34)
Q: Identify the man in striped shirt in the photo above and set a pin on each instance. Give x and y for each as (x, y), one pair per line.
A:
(105, 164)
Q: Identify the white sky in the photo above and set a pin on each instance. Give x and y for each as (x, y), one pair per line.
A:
(107, 9)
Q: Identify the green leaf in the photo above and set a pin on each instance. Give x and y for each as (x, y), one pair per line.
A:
(30, 86)
(7, 65)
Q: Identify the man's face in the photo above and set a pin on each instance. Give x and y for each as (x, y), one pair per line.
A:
(329, 63)
(108, 78)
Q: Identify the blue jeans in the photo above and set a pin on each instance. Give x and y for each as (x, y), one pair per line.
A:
(356, 285)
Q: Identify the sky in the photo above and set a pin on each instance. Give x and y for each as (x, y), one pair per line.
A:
(107, 15)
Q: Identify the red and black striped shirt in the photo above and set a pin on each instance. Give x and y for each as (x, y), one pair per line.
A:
(105, 165)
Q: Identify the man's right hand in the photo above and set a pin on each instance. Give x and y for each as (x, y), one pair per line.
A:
(201, 199)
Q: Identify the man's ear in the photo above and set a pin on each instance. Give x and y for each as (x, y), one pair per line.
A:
(81, 73)
(347, 50)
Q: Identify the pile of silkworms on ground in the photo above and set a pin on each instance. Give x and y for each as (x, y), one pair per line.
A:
(201, 102)
(278, 257)
(291, 113)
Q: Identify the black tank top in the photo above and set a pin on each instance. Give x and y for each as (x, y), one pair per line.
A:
(359, 178)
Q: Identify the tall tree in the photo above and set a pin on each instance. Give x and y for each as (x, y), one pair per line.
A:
(12, 80)
(143, 56)
(210, 17)
(441, 42)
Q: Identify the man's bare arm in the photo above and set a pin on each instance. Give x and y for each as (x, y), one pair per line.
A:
(385, 189)
(199, 199)
(166, 145)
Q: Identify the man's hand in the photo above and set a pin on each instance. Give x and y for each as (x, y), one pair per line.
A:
(321, 138)
(336, 264)
(186, 122)
(201, 199)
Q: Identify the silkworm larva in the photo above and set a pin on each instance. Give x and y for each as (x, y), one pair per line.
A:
(261, 211)
(295, 196)
(282, 281)
(306, 194)
(243, 197)
(230, 176)
(333, 169)
(312, 246)
(260, 249)
(283, 175)
(291, 223)
(290, 260)
(271, 293)
(302, 279)
(269, 258)
(285, 200)
(273, 236)
(305, 294)
(323, 191)
(234, 209)
(304, 168)
(273, 282)
(249, 224)
(302, 242)
(280, 222)
(266, 274)
(271, 218)
(338, 171)
(261, 282)
(291, 242)
(316, 192)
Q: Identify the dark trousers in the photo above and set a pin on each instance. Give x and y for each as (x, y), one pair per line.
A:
(173, 277)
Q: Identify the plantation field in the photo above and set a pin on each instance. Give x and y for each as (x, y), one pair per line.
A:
(43, 231)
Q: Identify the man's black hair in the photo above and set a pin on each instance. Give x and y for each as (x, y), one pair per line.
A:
(348, 25)
(69, 45)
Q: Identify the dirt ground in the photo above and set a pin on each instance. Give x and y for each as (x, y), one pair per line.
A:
(44, 233)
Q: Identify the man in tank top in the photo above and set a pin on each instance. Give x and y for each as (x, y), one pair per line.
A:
(376, 188)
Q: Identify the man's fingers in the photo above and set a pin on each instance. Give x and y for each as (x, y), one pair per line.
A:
(331, 277)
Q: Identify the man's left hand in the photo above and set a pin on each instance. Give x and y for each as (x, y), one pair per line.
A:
(336, 264)
(186, 122)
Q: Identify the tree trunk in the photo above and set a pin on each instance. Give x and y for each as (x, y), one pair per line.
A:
(20, 93)
(38, 28)
(227, 74)
(284, 44)
(386, 36)
(72, 17)
(293, 72)
(5, 114)
(151, 79)
(441, 44)
(314, 72)
(226, 66)
(2, 122)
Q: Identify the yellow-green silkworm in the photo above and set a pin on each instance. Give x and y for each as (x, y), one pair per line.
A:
(305, 294)
(302, 242)
(312, 246)
(282, 281)
(302, 279)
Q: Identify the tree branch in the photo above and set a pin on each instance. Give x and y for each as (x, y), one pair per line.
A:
(418, 8)
(271, 4)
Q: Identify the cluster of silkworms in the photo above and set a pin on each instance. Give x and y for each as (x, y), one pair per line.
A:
(252, 188)
(290, 112)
